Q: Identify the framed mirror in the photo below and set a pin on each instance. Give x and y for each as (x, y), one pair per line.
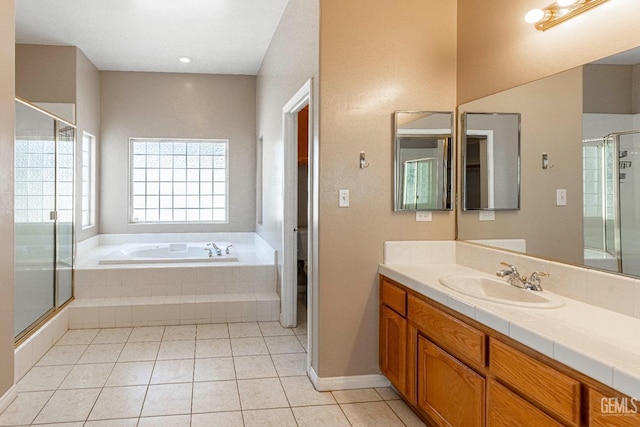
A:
(491, 161)
(423, 153)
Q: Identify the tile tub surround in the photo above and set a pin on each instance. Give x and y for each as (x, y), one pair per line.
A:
(594, 332)
(233, 375)
(109, 296)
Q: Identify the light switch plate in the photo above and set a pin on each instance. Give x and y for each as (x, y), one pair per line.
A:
(343, 198)
(486, 215)
(424, 216)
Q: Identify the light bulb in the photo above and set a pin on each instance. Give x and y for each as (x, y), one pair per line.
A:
(534, 15)
(185, 59)
(565, 3)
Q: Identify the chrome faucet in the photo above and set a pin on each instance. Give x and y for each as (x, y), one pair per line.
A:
(216, 248)
(210, 252)
(532, 282)
(226, 250)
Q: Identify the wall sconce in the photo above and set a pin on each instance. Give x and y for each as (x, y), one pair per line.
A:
(558, 12)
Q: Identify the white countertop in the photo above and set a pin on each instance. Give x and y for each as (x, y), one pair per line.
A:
(599, 343)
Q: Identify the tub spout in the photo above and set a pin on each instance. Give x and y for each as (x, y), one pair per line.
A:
(217, 249)
(226, 250)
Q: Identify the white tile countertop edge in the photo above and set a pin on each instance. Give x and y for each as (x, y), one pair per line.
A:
(602, 344)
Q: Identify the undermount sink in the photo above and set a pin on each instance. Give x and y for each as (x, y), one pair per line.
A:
(499, 291)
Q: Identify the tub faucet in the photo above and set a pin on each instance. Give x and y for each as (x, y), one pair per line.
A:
(226, 250)
(217, 249)
(210, 252)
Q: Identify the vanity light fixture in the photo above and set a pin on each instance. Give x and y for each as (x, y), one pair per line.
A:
(558, 12)
(185, 59)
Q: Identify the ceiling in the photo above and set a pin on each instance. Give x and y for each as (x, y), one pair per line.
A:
(222, 36)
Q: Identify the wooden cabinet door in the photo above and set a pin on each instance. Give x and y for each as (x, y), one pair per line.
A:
(506, 409)
(449, 391)
(393, 348)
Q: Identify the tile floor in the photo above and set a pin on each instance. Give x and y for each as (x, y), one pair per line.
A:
(237, 374)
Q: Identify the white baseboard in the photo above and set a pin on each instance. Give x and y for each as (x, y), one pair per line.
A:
(347, 383)
(8, 397)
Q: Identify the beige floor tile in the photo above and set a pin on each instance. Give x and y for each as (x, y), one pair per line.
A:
(405, 413)
(78, 336)
(179, 333)
(326, 415)
(130, 373)
(87, 376)
(177, 350)
(269, 418)
(248, 367)
(123, 422)
(139, 351)
(167, 399)
(387, 393)
(248, 346)
(303, 339)
(68, 405)
(300, 392)
(167, 421)
(112, 336)
(214, 369)
(244, 330)
(146, 334)
(262, 394)
(119, 402)
(218, 419)
(371, 414)
(274, 329)
(207, 332)
(101, 353)
(24, 408)
(172, 371)
(218, 347)
(287, 344)
(291, 364)
(40, 378)
(215, 396)
(357, 395)
(301, 329)
(62, 355)
(73, 424)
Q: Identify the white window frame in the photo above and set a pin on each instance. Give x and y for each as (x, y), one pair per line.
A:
(133, 192)
(88, 180)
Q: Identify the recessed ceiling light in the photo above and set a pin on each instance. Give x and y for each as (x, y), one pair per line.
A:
(185, 59)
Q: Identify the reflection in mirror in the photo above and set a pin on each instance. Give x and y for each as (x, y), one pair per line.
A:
(586, 122)
(491, 152)
(423, 171)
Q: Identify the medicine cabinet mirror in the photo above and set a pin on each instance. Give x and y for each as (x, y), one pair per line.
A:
(491, 159)
(423, 170)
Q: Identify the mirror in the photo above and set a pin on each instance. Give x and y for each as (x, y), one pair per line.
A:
(423, 172)
(491, 161)
(580, 136)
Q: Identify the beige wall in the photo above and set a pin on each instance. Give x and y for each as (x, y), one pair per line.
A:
(497, 50)
(7, 119)
(551, 122)
(373, 61)
(46, 73)
(159, 105)
(87, 120)
(608, 89)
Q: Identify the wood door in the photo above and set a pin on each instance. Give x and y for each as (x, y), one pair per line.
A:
(393, 348)
(448, 390)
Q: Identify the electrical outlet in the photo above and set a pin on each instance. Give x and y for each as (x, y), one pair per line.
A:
(561, 197)
(424, 216)
(486, 215)
(343, 198)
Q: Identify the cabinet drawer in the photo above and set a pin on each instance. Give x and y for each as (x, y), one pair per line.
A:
(393, 297)
(552, 390)
(449, 332)
(506, 409)
(612, 411)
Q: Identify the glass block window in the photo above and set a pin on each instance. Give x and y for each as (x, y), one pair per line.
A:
(88, 179)
(179, 180)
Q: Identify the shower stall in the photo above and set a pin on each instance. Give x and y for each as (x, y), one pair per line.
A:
(611, 184)
(44, 212)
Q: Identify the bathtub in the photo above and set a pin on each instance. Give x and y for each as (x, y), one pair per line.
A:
(170, 253)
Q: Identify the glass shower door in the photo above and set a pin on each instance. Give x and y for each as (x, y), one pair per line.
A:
(34, 247)
(64, 212)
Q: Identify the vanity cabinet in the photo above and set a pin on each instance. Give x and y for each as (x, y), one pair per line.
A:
(454, 371)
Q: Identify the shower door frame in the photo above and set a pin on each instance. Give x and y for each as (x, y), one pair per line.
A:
(57, 305)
